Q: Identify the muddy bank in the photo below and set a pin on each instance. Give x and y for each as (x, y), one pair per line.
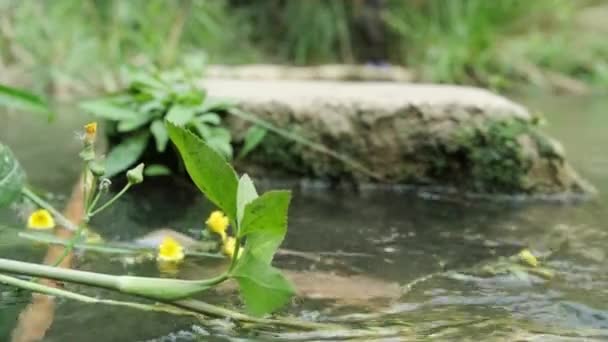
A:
(452, 137)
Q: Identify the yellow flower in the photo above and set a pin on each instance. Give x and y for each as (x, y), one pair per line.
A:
(218, 223)
(90, 131)
(170, 250)
(41, 219)
(229, 247)
(528, 258)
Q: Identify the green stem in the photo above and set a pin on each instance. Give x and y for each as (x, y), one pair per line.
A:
(112, 200)
(53, 291)
(153, 288)
(69, 245)
(62, 220)
(93, 194)
(140, 286)
(115, 248)
(92, 205)
(85, 177)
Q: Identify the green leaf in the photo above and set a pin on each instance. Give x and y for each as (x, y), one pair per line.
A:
(245, 194)
(264, 288)
(209, 171)
(109, 108)
(209, 118)
(181, 114)
(216, 104)
(23, 100)
(254, 136)
(125, 154)
(156, 170)
(161, 137)
(264, 224)
(12, 177)
(219, 139)
(133, 124)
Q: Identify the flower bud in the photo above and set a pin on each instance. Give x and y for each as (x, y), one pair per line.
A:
(90, 131)
(136, 174)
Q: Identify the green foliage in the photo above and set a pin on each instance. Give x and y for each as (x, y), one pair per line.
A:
(22, 100)
(264, 224)
(495, 155)
(264, 288)
(137, 114)
(78, 44)
(12, 177)
(262, 221)
(126, 153)
(209, 171)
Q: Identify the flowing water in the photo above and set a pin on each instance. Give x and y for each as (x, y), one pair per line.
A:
(365, 249)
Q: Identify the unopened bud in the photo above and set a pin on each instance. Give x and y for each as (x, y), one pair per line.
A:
(136, 174)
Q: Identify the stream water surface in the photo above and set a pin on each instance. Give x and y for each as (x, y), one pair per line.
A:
(364, 249)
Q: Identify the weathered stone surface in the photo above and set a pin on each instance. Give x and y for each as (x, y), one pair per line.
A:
(449, 136)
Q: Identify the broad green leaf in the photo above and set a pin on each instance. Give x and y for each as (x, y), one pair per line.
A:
(264, 288)
(12, 177)
(264, 224)
(209, 171)
(133, 124)
(220, 143)
(161, 137)
(216, 104)
(209, 118)
(125, 154)
(109, 108)
(181, 114)
(254, 136)
(23, 100)
(245, 194)
(155, 170)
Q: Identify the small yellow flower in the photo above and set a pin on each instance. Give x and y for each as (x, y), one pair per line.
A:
(229, 247)
(218, 223)
(90, 131)
(41, 219)
(528, 258)
(170, 250)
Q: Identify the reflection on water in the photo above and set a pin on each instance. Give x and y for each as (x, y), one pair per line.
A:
(395, 238)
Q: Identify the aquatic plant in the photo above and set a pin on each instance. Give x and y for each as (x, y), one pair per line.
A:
(136, 117)
(259, 224)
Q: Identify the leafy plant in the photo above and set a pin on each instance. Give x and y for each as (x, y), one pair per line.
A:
(136, 116)
(259, 224)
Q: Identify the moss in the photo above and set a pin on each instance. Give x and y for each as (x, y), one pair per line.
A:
(491, 158)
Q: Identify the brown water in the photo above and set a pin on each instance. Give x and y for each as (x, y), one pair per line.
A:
(400, 236)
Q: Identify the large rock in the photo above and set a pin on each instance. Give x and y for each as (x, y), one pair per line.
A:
(448, 136)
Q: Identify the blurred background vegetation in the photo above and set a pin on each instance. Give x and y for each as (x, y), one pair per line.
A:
(78, 46)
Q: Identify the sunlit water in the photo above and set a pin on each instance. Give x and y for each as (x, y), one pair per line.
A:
(397, 237)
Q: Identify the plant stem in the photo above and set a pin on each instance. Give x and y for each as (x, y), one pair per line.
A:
(69, 245)
(53, 291)
(63, 221)
(92, 205)
(116, 283)
(112, 200)
(116, 248)
(152, 288)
